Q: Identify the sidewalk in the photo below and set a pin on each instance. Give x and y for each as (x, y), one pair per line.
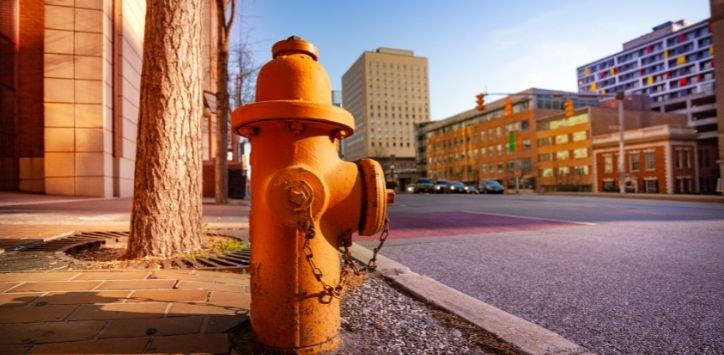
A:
(163, 311)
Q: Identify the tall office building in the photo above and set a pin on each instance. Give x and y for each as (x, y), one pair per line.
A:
(674, 65)
(387, 92)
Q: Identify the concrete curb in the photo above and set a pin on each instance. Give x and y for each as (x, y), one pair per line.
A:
(526, 336)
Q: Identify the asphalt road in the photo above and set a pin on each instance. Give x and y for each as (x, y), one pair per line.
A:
(618, 276)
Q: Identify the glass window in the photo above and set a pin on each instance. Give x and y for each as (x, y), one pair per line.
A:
(524, 126)
(561, 138)
(579, 136)
(544, 157)
(564, 170)
(652, 186)
(562, 155)
(484, 168)
(547, 172)
(650, 160)
(581, 170)
(607, 164)
(580, 153)
(635, 160)
(544, 141)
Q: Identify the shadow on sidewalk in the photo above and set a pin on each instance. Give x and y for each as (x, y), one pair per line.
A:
(117, 321)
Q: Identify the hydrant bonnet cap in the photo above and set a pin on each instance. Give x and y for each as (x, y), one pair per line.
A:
(294, 45)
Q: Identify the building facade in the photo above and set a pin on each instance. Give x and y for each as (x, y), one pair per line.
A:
(565, 144)
(491, 144)
(658, 159)
(70, 94)
(674, 65)
(387, 92)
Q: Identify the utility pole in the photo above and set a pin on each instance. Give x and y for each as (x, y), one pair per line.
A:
(620, 96)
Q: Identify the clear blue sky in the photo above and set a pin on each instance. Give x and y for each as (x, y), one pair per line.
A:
(504, 46)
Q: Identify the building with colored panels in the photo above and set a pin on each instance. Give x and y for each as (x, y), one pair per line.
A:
(674, 65)
(496, 143)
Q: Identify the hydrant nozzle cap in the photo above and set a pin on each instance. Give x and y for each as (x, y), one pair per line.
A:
(294, 45)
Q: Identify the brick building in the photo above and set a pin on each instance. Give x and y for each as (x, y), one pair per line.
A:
(69, 94)
(491, 144)
(564, 154)
(658, 159)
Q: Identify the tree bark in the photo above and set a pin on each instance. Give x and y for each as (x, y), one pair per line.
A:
(167, 208)
(221, 165)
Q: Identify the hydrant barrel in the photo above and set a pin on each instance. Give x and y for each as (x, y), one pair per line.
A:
(306, 202)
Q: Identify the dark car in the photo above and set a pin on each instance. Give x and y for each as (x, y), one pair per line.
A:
(442, 186)
(457, 187)
(491, 187)
(424, 185)
(471, 189)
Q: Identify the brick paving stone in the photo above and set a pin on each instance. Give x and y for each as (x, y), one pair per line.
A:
(212, 286)
(37, 276)
(18, 299)
(195, 343)
(119, 311)
(56, 286)
(48, 313)
(221, 324)
(185, 309)
(169, 295)
(137, 284)
(5, 285)
(102, 346)
(49, 332)
(85, 297)
(202, 276)
(113, 275)
(127, 328)
(232, 299)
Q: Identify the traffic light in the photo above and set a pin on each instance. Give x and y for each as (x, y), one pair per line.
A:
(480, 102)
(569, 107)
(508, 107)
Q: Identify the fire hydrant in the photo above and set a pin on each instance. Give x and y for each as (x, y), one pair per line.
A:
(306, 202)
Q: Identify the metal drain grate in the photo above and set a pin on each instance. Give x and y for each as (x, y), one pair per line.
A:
(65, 247)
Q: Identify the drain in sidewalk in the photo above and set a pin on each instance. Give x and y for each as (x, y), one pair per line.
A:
(103, 250)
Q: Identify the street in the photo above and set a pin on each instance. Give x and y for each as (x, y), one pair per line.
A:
(614, 275)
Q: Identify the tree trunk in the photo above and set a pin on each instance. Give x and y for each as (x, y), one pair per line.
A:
(221, 165)
(167, 208)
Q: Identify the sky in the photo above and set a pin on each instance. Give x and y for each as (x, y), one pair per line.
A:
(471, 46)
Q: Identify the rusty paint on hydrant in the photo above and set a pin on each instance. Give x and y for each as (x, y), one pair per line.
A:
(306, 200)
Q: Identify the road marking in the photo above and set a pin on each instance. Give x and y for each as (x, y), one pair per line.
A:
(536, 218)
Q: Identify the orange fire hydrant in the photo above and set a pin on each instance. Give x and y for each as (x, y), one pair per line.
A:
(306, 202)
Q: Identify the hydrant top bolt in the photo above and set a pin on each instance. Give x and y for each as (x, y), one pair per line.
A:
(294, 45)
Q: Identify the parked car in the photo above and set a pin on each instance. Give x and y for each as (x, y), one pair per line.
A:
(442, 186)
(491, 187)
(423, 185)
(471, 189)
(457, 187)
